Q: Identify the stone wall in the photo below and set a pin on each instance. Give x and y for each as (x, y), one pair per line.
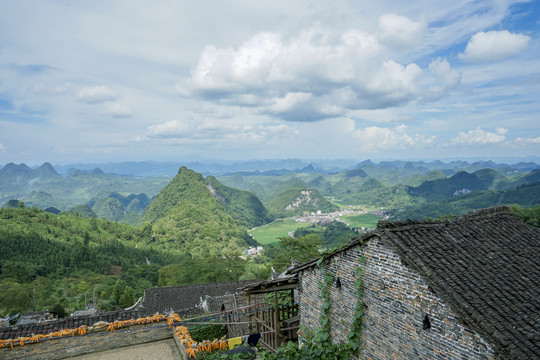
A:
(396, 302)
(72, 346)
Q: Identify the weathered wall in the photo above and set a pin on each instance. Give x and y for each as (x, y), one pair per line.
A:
(91, 343)
(396, 302)
(157, 350)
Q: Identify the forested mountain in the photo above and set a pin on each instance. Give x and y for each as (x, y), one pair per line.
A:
(524, 195)
(43, 187)
(48, 260)
(116, 207)
(187, 214)
(242, 205)
(400, 185)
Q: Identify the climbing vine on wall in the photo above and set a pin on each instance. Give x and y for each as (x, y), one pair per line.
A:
(356, 329)
(355, 332)
(324, 321)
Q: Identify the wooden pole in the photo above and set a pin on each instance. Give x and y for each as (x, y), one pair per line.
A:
(250, 316)
(276, 320)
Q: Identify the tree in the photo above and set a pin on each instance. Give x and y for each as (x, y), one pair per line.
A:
(118, 291)
(126, 300)
(59, 309)
(303, 248)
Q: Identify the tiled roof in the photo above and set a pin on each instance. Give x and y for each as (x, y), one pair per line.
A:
(66, 323)
(186, 300)
(486, 267)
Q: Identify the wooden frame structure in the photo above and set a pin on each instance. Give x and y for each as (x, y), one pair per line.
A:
(269, 313)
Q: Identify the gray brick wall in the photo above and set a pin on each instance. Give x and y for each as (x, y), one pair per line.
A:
(396, 302)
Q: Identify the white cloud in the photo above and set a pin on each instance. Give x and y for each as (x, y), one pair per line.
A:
(494, 45)
(2, 147)
(119, 111)
(96, 95)
(395, 84)
(480, 137)
(373, 139)
(446, 79)
(527, 141)
(175, 128)
(289, 101)
(214, 133)
(399, 32)
(319, 71)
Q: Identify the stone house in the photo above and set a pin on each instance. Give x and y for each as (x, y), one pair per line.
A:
(464, 289)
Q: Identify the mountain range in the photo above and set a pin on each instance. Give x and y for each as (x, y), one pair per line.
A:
(391, 185)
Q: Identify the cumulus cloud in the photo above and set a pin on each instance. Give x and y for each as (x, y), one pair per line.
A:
(375, 138)
(317, 74)
(446, 79)
(119, 111)
(480, 137)
(96, 95)
(494, 45)
(303, 107)
(399, 32)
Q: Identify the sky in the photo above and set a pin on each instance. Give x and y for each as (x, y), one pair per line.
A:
(163, 80)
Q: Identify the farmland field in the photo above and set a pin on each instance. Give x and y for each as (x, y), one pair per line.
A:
(360, 221)
(270, 233)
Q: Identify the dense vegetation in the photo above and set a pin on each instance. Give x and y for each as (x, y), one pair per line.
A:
(525, 195)
(49, 260)
(243, 206)
(60, 260)
(186, 215)
(530, 215)
(195, 228)
(333, 235)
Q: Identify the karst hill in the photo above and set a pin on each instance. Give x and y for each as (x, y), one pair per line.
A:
(203, 217)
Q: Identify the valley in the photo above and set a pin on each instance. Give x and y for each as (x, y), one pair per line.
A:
(64, 237)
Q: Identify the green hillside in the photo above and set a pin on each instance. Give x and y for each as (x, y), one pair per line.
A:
(440, 189)
(242, 205)
(83, 210)
(43, 187)
(265, 187)
(116, 207)
(49, 260)
(526, 195)
(297, 201)
(186, 215)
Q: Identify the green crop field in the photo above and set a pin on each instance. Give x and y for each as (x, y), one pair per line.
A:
(360, 221)
(270, 233)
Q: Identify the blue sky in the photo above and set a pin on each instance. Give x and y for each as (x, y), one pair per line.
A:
(98, 81)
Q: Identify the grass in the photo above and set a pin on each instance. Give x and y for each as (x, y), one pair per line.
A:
(360, 221)
(270, 233)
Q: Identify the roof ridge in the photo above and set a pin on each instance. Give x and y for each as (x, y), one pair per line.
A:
(494, 210)
(475, 214)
